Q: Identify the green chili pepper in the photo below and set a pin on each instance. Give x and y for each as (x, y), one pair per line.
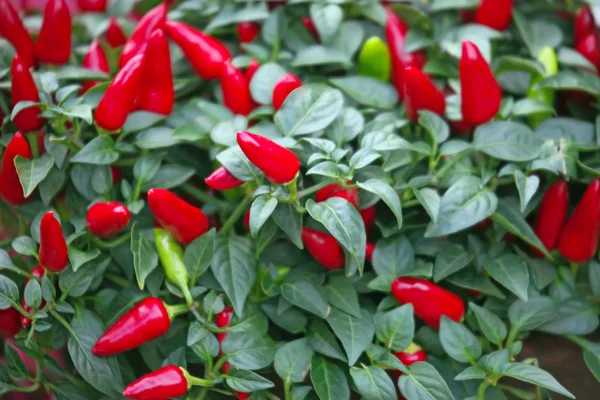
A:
(374, 59)
(171, 258)
(547, 57)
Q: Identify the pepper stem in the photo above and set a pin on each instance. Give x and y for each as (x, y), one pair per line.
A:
(186, 293)
(574, 269)
(237, 213)
(33, 144)
(176, 310)
(293, 188)
(195, 381)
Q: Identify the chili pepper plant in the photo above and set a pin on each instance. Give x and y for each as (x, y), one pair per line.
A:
(297, 200)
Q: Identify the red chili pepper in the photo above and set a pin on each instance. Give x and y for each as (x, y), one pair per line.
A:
(223, 319)
(10, 184)
(311, 28)
(221, 179)
(37, 272)
(413, 354)
(369, 250)
(335, 190)
(590, 49)
(283, 88)
(184, 221)
(368, 216)
(251, 70)
(324, 248)
(156, 93)
(9, 323)
(162, 384)
(279, 164)
(494, 13)
(53, 247)
(480, 94)
(205, 53)
(585, 25)
(23, 89)
(137, 42)
(53, 45)
(552, 216)
(420, 93)
(95, 59)
(247, 31)
(429, 300)
(115, 173)
(107, 219)
(118, 100)
(578, 240)
(236, 90)
(92, 5)
(13, 30)
(114, 33)
(247, 220)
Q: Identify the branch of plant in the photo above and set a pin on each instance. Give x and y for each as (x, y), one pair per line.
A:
(237, 214)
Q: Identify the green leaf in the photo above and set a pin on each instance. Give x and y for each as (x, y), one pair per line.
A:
(246, 381)
(325, 168)
(25, 245)
(396, 328)
(491, 325)
(423, 382)
(472, 372)
(430, 200)
(373, 383)
(328, 379)
(459, 342)
(511, 271)
(236, 162)
(535, 376)
(354, 333)
(146, 167)
(32, 172)
(393, 256)
(9, 293)
(592, 360)
(368, 91)
(14, 363)
(145, 257)
(156, 138)
(289, 220)
(342, 296)
(249, 350)
(261, 210)
(386, 193)
(264, 80)
(527, 186)
(322, 341)
(574, 316)
(98, 151)
(450, 259)
(528, 315)
(435, 125)
(52, 185)
(507, 140)
(327, 19)
(571, 80)
(307, 296)
(33, 294)
(292, 361)
(78, 257)
(199, 254)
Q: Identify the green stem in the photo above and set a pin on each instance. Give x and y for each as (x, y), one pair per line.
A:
(22, 226)
(33, 144)
(113, 243)
(220, 363)
(313, 189)
(293, 189)
(25, 389)
(450, 164)
(199, 194)
(411, 203)
(481, 391)
(512, 335)
(202, 393)
(119, 280)
(287, 391)
(237, 214)
(195, 381)
(176, 310)
(574, 269)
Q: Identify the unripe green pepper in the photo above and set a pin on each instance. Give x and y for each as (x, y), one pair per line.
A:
(171, 258)
(374, 59)
(547, 57)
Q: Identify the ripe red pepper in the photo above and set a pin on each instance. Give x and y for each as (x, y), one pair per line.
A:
(92, 5)
(589, 47)
(114, 33)
(156, 93)
(552, 215)
(116, 174)
(247, 31)
(9, 323)
(480, 94)
(53, 45)
(584, 25)
(335, 190)
(247, 220)
(13, 30)
(369, 251)
(53, 247)
(205, 53)
(279, 164)
(420, 93)
(429, 300)
(221, 179)
(37, 272)
(184, 221)
(578, 240)
(223, 319)
(163, 384)
(251, 70)
(107, 219)
(23, 89)
(283, 88)
(368, 216)
(324, 248)
(236, 90)
(10, 186)
(137, 42)
(240, 395)
(95, 59)
(118, 100)
(413, 354)
(494, 13)
(311, 28)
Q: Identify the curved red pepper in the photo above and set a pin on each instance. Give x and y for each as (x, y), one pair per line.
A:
(589, 47)
(184, 221)
(236, 90)
(146, 321)
(369, 250)
(10, 184)
(283, 88)
(53, 45)
(279, 164)
(480, 94)
(137, 42)
(107, 219)
(335, 190)
(118, 100)
(13, 30)
(37, 272)
(53, 247)
(311, 28)
(429, 300)
(162, 384)
(95, 59)
(552, 215)
(23, 89)
(324, 248)
(205, 53)
(251, 70)
(156, 93)
(413, 354)
(92, 5)
(584, 25)
(578, 240)
(420, 93)
(368, 216)
(114, 33)
(221, 179)
(494, 13)
(247, 31)
(9, 323)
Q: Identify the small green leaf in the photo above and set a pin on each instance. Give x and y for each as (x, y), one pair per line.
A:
(307, 296)
(98, 151)
(491, 325)
(459, 342)
(145, 257)
(32, 172)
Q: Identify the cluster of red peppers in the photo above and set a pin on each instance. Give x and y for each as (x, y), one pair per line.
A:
(585, 37)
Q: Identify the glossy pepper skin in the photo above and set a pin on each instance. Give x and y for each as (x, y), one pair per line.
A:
(11, 191)
(283, 88)
(13, 30)
(156, 93)
(279, 164)
(114, 33)
(420, 93)
(311, 28)
(205, 53)
(584, 25)
(375, 59)
(368, 216)
(53, 45)
(171, 258)
(118, 100)
(251, 70)
(9, 323)
(37, 272)
(137, 42)
(184, 221)
(92, 5)
(95, 59)
(146, 321)
(221, 179)
(589, 47)
(336, 190)
(107, 219)
(53, 247)
(324, 248)
(413, 354)
(578, 240)
(23, 89)
(162, 384)
(552, 215)
(480, 94)
(494, 13)
(247, 31)
(236, 90)
(369, 250)
(429, 300)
